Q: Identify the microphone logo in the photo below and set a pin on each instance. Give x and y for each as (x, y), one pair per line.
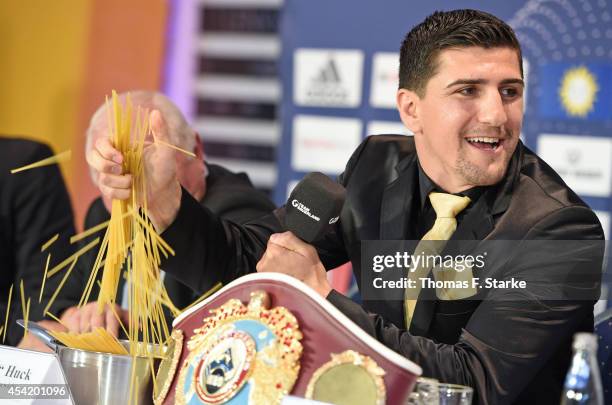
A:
(304, 209)
(333, 220)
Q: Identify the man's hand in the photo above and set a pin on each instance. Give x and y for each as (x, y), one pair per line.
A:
(163, 188)
(85, 319)
(31, 342)
(288, 254)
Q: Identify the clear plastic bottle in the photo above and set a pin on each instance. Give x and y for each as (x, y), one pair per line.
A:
(583, 381)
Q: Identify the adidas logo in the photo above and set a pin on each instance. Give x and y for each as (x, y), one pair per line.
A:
(328, 73)
(326, 86)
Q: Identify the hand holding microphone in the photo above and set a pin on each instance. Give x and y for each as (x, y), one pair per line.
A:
(314, 206)
(312, 209)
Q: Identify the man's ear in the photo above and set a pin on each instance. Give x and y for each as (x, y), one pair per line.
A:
(408, 105)
(198, 149)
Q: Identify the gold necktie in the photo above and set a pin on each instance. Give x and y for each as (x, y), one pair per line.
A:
(447, 207)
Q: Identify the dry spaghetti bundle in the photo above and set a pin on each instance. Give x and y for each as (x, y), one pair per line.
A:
(131, 241)
(98, 340)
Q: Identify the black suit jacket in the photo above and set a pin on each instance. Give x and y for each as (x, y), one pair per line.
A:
(34, 206)
(508, 348)
(229, 195)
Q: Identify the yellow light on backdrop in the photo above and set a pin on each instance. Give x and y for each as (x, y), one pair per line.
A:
(42, 45)
(59, 60)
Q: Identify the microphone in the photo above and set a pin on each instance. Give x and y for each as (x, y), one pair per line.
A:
(314, 206)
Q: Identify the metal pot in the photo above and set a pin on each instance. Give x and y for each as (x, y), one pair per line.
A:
(106, 379)
(96, 378)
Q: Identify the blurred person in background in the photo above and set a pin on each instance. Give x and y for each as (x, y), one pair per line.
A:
(34, 206)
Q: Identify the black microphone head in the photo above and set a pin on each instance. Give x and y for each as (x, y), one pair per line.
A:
(313, 206)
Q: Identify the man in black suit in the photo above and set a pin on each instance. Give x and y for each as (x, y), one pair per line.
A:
(34, 206)
(461, 94)
(229, 195)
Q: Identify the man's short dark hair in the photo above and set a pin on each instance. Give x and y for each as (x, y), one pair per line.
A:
(449, 29)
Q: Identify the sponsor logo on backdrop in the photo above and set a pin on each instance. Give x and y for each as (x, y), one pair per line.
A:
(386, 128)
(385, 79)
(576, 91)
(584, 162)
(323, 143)
(327, 77)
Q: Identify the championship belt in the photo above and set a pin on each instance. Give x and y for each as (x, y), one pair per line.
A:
(267, 335)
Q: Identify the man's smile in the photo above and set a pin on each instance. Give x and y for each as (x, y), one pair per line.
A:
(485, 143)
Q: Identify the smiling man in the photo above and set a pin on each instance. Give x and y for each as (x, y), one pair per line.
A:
(464, 175)
(467, 117)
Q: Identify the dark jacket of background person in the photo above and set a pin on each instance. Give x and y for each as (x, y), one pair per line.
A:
(510, 347)
(34, 206)
(229, 195)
